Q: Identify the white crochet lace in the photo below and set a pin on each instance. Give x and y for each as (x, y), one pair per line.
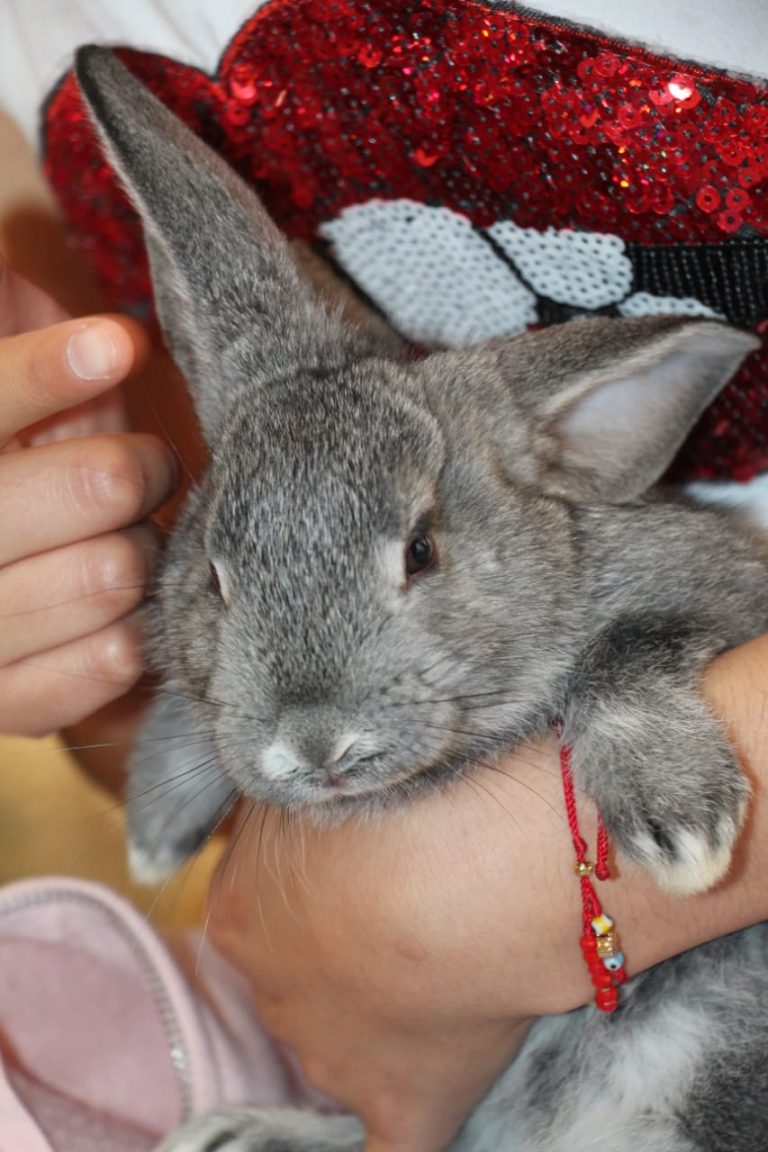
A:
(443, 282)
(430, 272)
(587, 269)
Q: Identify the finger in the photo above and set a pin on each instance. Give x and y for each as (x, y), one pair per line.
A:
(62, 493)
(59, 367)
(54, 689)
(103, 415)
(23, 306)
(61, 596)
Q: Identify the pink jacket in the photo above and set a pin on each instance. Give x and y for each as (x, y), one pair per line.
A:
(108, 1039)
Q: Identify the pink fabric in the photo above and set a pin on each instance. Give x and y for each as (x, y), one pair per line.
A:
(104, 1041)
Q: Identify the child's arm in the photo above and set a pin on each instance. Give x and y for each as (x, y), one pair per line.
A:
(402, 958)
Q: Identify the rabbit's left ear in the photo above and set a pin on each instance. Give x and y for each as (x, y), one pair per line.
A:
(593, 410)
(615, 425)
(233, 308)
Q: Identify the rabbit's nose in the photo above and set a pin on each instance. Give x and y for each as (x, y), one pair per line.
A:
(279, 762)
(330, 759)
(351, 751)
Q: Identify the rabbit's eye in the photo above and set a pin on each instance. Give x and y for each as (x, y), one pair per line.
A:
(420, 555)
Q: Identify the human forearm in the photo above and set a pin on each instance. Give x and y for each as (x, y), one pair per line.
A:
(654, 924)
(377, 949)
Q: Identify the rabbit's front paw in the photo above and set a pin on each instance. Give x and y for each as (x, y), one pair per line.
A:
(683, 859)
(669, 791)
(171, 819)
(172, 806)
(251, 1130)
(176, 793)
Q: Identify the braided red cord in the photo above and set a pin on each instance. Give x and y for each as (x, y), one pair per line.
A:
(601, 862)
(605, 980)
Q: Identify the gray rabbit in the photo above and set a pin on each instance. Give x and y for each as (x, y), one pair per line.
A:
(396, 567)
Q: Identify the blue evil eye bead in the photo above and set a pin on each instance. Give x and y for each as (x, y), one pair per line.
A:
(613, 963)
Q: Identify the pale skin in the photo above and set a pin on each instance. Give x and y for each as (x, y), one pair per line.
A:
(404, 959)
(74, 556)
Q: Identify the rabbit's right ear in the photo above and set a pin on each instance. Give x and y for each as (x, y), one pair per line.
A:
(233, 308)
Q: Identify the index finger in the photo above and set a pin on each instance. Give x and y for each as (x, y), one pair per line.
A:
(44, 372)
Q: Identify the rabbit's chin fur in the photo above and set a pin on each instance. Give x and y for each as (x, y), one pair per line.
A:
(396, 566)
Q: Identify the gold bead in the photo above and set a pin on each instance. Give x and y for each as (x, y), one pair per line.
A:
(583, 868)
(606, 945)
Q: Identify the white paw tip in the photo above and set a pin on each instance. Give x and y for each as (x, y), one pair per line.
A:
(697, 867)
(146, 868)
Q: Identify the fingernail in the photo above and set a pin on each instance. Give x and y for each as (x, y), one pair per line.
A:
(92, 353)
(123, 653)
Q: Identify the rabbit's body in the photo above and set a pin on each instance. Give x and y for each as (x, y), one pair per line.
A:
(680, 1069)
(550, 607)
(394, 568)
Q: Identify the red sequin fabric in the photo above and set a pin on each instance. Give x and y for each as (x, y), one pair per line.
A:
(493, 113)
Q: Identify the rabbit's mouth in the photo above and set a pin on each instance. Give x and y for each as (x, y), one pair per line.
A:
(358, 786)
(308, 764)
(375, 784)
(305, 767)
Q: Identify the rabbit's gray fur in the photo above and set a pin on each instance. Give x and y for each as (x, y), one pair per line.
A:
(307, 670)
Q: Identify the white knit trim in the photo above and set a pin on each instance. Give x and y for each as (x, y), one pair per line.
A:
(645, 304)
(434, 276)
(586, 269)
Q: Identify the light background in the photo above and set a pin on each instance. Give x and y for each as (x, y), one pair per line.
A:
(54, 821)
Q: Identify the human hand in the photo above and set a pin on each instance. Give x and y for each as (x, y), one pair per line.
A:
(402, 958)
(74, 557)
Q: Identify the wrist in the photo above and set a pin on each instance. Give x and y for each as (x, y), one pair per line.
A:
(535, 855)
(654, 924)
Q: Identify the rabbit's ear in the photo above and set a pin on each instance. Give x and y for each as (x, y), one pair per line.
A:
(610, 412)
(232, 306)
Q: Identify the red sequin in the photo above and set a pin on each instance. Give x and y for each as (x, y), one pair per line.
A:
(492, 113)
(708, 198)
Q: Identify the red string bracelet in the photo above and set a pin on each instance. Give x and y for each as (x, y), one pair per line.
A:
(599, 943)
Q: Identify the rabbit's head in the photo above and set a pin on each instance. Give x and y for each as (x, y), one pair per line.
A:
(379, 578)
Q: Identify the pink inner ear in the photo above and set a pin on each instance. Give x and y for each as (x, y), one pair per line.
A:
(624, 429)
(618, 416)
